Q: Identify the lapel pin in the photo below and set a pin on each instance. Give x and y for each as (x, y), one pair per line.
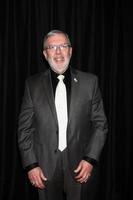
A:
(75, 80)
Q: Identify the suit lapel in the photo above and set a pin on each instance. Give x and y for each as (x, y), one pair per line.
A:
(74, 92)
(47, 84)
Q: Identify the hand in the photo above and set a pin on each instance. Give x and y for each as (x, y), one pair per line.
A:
(83, 171)
(37, 177)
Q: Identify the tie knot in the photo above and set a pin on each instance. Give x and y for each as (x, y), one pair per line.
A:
(61, 77)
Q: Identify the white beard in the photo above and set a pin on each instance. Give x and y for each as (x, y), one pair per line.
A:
(59, 68)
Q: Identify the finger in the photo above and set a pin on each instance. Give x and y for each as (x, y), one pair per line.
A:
(39, 184)
(80, 175)
(32, 182)
(82, 179)
(43, 177)
(77, 169)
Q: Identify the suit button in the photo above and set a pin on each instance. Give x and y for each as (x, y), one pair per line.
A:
(56, 150)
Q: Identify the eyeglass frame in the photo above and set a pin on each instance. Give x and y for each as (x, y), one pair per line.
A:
(55, 47)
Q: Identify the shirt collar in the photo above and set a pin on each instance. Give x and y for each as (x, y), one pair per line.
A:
(67, 75)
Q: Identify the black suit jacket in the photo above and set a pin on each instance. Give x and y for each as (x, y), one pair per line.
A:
(38, 125)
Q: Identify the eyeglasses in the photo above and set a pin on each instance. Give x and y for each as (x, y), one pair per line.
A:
(55, 47)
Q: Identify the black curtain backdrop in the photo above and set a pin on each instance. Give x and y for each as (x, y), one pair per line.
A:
(101, 35)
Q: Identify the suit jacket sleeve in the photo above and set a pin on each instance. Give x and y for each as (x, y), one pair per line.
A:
(26, 130)
(99, 124)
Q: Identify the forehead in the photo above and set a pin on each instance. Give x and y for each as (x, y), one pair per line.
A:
(57, 39)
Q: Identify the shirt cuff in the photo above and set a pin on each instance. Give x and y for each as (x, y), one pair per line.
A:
(30, 167)
(90, 160)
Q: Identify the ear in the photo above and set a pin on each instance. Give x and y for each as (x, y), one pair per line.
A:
(70, 51)
(45, 54)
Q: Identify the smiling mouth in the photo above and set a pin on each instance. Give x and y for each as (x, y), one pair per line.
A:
(60, 59)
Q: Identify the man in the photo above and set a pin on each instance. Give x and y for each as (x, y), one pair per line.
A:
(61, 146)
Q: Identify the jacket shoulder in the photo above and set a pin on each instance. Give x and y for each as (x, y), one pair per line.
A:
(34, 79)
(86, 75)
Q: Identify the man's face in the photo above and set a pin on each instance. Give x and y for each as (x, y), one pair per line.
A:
(58, 53)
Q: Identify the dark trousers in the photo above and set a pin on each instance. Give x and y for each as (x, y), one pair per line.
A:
(63, 186)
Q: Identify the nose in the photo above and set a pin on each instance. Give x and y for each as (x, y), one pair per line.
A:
(58, 50)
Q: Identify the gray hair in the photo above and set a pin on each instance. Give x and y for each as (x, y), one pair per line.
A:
(54, 32)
